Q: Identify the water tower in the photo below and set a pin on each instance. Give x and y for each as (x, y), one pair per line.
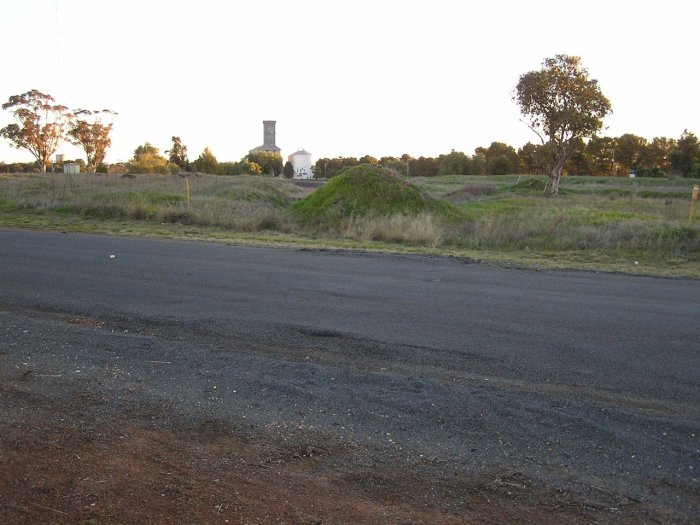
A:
(301, 162)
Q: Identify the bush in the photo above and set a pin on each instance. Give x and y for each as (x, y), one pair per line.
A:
(269, 163)
(243, 167)
(207, 163)
(147, 159)
(650, 172)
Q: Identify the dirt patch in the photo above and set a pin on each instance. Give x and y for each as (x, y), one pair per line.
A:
(469, 193)
(139, 475)
(61, 465)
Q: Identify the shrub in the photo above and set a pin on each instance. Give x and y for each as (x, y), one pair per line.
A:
(207, 163)
(650, 172)
(147, 159)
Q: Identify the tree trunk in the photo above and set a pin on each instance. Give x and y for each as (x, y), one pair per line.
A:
(44, 159)
(552, 186)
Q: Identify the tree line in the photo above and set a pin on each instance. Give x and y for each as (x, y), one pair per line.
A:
(255, 163)
(148, 159)
(599, 156)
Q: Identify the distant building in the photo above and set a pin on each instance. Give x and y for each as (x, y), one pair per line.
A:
(71, 167)
(301, 162)
(269, 145)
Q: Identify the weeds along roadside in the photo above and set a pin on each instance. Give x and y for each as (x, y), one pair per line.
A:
(615, 216)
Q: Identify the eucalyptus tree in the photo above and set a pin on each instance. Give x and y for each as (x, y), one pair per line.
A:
(91, 130)
(562, 105)
(41, 125)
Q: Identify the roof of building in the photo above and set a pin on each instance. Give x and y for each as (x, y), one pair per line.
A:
(266, 147)
(300, 152)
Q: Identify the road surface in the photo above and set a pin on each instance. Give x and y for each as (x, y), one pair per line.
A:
(377, 388)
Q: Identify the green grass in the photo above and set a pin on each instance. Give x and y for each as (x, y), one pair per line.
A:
(365, 190)
(637, 226)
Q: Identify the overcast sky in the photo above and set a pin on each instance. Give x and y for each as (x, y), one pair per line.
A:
(342, 78)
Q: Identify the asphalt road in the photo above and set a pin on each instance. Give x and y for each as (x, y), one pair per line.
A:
(587, 382)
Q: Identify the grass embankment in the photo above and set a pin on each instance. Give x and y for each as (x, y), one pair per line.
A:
(636, 226)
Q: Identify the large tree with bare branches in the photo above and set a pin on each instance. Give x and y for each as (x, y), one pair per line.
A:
(563, 106)
(91, 130)
(41, 125)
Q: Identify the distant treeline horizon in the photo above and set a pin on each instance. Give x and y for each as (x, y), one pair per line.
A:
(599, 156)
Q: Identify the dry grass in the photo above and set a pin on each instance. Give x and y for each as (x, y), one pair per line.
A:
(423, 229)
(235, 203)
(655, 227)
(603, 221)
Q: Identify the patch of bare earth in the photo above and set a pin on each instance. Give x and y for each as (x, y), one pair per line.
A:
(63, 464)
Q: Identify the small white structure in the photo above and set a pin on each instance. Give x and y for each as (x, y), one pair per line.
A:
(71, 167)
(301, 162)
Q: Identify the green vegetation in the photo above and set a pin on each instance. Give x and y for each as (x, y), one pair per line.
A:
(598, 156)
(618, 224)
(206, 162)
(147, 159)
(362, 191)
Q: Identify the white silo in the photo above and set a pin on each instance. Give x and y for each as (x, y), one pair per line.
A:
(301, 162)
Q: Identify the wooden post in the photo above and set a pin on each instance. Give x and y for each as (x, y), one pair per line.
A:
(693, 202)
(187, 185)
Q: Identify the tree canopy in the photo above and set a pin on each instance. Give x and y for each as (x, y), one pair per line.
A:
(91, 130)
(562, 105)
(270, 163)
(147, 159)
(685, 157)
(41, 125)
(178, 153)
(207, 163)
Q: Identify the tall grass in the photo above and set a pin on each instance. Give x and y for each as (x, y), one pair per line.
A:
(483, 213)
(423, 229)
(235, 203)
(657, 227)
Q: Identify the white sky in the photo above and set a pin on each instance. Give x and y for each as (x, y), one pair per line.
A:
(342, 78)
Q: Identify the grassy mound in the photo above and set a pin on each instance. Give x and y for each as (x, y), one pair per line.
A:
(365, 191)
(530, 185)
